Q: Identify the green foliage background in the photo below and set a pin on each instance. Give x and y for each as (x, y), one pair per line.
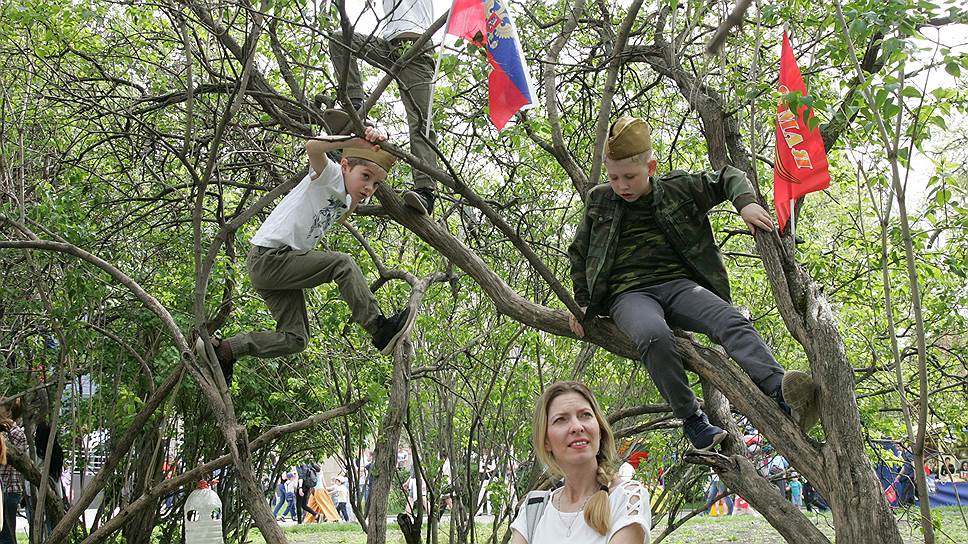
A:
(102, 146)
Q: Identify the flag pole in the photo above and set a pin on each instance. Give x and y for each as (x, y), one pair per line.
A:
(433, 81)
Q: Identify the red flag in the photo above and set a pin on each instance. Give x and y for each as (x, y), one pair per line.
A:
(509, 87)
(801, 162)
(891, 495)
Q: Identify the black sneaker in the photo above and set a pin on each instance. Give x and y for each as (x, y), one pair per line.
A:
(421, 200)
(392, 329)
(702, 434)
(797, 397)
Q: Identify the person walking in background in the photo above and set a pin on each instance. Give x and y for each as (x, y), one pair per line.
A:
(289, 493)
(308, 474)
(796, 492)
(11, 481)
(716, 489)
(341, 497)
(280, 497)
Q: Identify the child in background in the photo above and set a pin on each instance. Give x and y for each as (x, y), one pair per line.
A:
(796, 492)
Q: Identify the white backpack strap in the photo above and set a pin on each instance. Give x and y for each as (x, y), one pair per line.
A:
(534, 507)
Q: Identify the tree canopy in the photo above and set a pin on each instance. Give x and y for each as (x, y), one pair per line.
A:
(142, 143)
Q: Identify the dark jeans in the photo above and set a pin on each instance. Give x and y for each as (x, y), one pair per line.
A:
(289, 501)
(343, 512)
(302, 502)
(648, 316)
(714, 491)
(11, 502)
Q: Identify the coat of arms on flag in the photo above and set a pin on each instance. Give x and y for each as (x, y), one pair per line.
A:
(488, 24)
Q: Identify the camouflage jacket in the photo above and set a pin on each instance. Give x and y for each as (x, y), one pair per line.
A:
(681, 201)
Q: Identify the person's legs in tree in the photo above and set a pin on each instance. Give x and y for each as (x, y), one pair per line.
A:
(416, 88)
(640, 316)
(695, 308)
(279, 277)
(373, 49)
(414, 80)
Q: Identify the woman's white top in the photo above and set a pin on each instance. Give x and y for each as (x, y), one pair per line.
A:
(629, 505)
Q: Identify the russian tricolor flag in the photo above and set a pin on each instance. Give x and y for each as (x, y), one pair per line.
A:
(509, 86)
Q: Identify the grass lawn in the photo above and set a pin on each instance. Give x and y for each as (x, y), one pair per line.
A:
(744, 529)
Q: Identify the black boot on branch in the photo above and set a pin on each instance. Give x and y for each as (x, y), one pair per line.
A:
(421, 200)
(390, 330)
(223, 352)
(701, 434)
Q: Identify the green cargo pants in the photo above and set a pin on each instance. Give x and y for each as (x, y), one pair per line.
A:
(414, 82)
(279, 275)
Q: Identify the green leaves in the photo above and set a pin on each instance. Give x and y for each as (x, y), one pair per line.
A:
(953, 68)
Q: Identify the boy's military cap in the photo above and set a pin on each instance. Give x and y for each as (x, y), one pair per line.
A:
(339, 122)
(383, 159)
(628, 136)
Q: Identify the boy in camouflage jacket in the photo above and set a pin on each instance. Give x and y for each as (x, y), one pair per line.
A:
(645, 255)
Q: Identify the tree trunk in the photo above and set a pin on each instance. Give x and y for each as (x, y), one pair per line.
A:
(385, 451)
(147, 466)
(741, 476)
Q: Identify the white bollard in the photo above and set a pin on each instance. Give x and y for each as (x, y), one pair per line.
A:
(203, 516)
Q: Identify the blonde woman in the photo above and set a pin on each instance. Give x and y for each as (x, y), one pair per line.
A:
(594, 506)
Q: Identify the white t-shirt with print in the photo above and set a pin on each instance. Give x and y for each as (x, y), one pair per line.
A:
(414, 16)
(342, 494)
(629, 505)
(307, 212)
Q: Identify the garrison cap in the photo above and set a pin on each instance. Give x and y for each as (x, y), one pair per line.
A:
(383, 159)
(628, 136)
(338, 122)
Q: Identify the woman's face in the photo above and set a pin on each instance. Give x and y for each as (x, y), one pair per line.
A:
(573, 434)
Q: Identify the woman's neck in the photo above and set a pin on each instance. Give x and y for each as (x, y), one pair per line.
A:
(580, 483)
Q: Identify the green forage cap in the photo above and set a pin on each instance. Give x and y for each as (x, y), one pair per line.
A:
(627, 136)
(383, 159)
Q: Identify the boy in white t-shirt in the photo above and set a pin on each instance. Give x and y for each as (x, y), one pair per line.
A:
(405, 22)
(282, 261)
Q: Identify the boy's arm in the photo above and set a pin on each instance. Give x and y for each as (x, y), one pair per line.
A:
(731, 184)
(728, 183)
(577, 252)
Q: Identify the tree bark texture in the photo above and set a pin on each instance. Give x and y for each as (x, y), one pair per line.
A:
(385, 456)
